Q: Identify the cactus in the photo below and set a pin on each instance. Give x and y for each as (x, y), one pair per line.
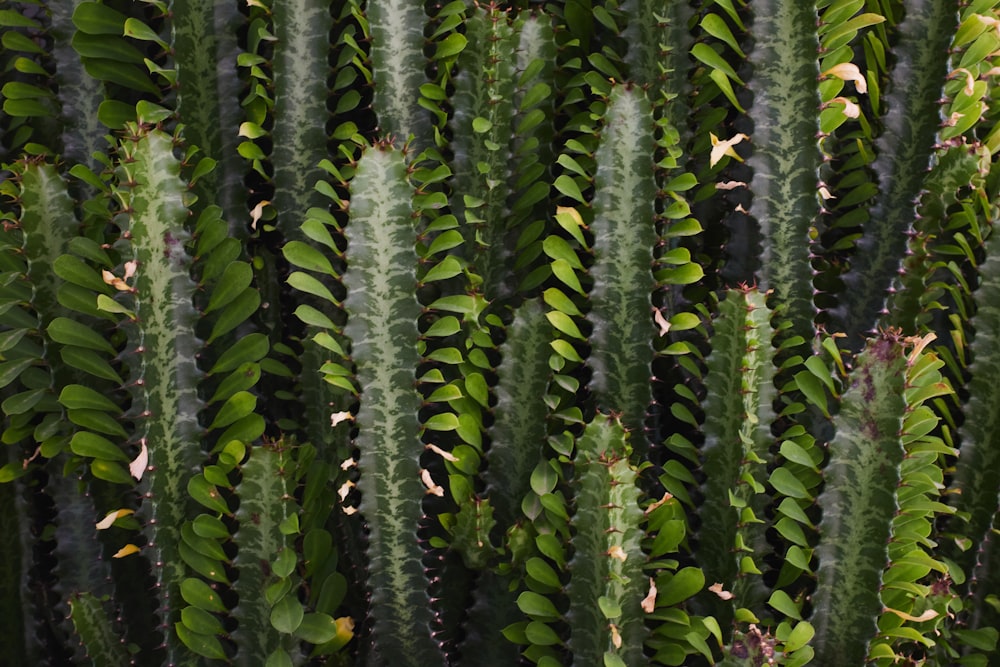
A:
(574, 333)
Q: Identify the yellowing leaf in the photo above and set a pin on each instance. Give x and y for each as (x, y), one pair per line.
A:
(926, 616)
(112, 516)
(138, 466)
(257, 213)
(432, 488)
(918, 343)
(338, 417)
(970, 81)
(616, 636)
(113, 280)
(344, 489)
(649, 602)
(617, 552)
(848, 72)
(851, 110)
(665, 498)
(126, 550)
(723, 595)
(448, 456)
(723, 147)
(661, 321)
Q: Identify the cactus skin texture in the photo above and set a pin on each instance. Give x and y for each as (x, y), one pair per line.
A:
(482, 334)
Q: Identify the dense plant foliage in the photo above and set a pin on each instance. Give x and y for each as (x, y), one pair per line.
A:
(595, 333)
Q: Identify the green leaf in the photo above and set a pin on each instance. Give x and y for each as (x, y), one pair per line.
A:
(317, 628)
(236, 312)
(68, 332)
(568, 188)
(199, 594)
(450, 46)
(679, 587)
(307, 257)
(247, 349)
(94, 446)
(537, 606)
(234, 280)
(11, 370)
(287, 614)
(96, 18)
(201, 622)
(238, 406)
(201, 491)
(541, 634)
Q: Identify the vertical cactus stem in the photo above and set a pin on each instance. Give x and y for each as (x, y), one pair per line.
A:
(786, 158)
(519, 427)
(738, 416)
(266, 494)
(205, 49)
(624, 236)
(302, 28)
(382, 311)
(976, 482)
(607, 584)
(483, 121)
(164, 382)
(397, 56)
(94, 627)
(903, 153)
(859, 503)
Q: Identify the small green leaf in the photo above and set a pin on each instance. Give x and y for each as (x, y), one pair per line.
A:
(238, 406)
(98, 19)
(450, 46)
(537, 606)
(89, 362)
(711, 57)
(565, 324)
(204, 645)
(199, 594)
(234, 280)
(201, 491)
(481, 125)
(279, 658)
(236, 313)
(205, 525)
(68, 332)
(94, 446)
(249, 348)
(787, 484)
(317, 628)
(287, 614)
(780, 601)
(110, 472)
(610, 608)
(541, 634)
(310, 315)
(307, 257)
(136, 29)
(568, 188)
(446, 421)
(20, 403)
(542, 572)
(284, 563)
(200, 621)
(682, 585)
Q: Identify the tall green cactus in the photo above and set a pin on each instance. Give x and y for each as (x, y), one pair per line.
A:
(446, 333)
